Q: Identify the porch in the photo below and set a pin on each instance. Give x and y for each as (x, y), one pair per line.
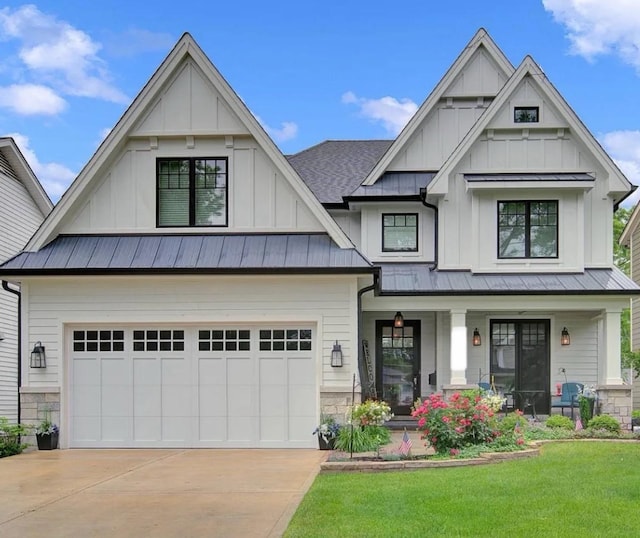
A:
(525, 346)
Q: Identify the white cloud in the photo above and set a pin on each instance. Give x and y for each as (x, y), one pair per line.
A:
(624, 148)
(391, 112)
(54, 177)
(135, 41)
(59, 54)
(600, 27)
(31, 99)
(288, 130)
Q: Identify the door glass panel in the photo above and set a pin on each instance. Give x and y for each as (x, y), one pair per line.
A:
(503, 356)
(398, 368)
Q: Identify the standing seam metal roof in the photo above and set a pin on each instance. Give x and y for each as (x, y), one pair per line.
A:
(189, 253)
(418, 279)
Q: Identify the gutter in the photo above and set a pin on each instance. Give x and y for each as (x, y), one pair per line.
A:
(367, 392)
(5, 286)
(423, 199)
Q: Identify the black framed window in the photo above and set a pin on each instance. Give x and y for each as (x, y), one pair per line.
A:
(192, 191)
(399, 232)
(528, 229)
(526, 114)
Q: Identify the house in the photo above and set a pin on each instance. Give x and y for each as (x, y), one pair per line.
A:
(195, 288)
(630, 238)
(23, 206)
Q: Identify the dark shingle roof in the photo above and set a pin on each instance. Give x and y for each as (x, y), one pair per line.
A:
(417, 279)
(335, 168)
(231, 253)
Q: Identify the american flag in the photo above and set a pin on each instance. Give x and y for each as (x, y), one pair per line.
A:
(405, 446)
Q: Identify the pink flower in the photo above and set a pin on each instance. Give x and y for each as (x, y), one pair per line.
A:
(454, 452)
(519, 441)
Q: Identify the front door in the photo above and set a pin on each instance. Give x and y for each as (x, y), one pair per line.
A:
(520, 359)
(398, 364)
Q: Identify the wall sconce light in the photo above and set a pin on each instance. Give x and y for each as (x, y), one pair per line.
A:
(398, 320)
(336, 355)
(476, 340)
(565, 338)
(38, 356)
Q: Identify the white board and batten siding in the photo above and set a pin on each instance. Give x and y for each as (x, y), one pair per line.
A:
(190, 118)
(19, 219)
(152, 397)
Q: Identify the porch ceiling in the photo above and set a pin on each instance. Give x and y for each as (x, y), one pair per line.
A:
(418, 279)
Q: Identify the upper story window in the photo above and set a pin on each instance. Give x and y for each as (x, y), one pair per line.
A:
(528, 229)
(526, 114)
(192, 192)
(399, 232)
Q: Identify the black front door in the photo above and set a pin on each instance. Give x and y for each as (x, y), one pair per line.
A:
(520, 359)
(398, 364)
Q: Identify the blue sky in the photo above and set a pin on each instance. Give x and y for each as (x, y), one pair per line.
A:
(310, 71)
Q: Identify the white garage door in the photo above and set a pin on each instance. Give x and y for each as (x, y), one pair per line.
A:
(192, 387)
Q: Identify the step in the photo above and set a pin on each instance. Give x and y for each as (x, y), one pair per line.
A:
(402, 422)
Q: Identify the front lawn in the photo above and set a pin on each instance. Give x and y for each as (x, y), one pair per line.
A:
(572, 489)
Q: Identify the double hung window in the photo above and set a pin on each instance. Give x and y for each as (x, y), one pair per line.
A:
(400, 232)
(192, 191)
(528, 229)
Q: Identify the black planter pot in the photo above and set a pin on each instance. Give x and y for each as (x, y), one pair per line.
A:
(326, 445)
(47, 441)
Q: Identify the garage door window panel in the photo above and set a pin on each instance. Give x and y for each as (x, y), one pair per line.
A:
(285, 339)
(224, 340)
(91, 341)
(158, 340)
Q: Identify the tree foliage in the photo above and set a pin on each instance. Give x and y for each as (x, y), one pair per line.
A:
(622, 259)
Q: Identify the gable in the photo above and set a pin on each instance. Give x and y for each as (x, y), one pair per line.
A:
(481, 75)
(455, 104)
(187, 112)
(557, 142)
(188, 103)
(23, 202)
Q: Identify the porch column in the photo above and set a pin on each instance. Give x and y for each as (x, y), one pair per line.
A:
(612, 359)
(458, 348)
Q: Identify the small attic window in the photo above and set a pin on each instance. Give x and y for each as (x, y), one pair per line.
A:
(526, 114)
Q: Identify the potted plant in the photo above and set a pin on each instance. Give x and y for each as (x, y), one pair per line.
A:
(47, 434)
(327, 431)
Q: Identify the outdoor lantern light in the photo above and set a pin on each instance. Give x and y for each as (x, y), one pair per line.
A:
(336, 356)
(565, 339)
(476, 337)
(38, 356)
(398, 321)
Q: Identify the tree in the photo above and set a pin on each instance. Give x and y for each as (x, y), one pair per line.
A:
(622, 259)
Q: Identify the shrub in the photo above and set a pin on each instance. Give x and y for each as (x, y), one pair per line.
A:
(362, 438)
(635, 414)
(10, 438)
(371, 412)
(604, 422)
(508, 423)
(560, 422)
(451, 425)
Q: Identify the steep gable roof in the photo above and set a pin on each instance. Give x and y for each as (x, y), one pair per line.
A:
(135, 115)
(335, 168)
(21, 171)
(630, 227)
(530, 68)
(480, 40)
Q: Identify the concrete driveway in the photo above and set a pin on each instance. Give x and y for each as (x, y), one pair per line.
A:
(183, 493)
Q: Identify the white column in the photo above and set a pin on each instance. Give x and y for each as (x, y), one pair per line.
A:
(612, 358)
(458, 347)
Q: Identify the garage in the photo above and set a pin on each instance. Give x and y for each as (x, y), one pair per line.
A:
(192, 386)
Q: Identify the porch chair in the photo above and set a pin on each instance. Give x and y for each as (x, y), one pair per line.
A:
(568, 397)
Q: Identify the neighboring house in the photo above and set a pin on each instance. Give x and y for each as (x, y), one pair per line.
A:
(23, 206)
(630, 238)
(192, 285)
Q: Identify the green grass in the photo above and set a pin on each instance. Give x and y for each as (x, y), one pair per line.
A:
(572, 489)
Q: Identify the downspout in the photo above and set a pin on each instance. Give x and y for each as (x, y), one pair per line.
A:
(423, 199)
(5, 286)
(362, 368)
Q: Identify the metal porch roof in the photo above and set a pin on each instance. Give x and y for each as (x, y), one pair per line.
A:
(231, 253)
(417, 279)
